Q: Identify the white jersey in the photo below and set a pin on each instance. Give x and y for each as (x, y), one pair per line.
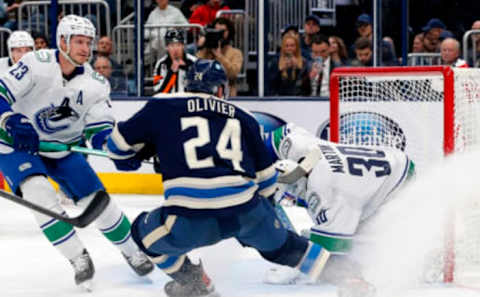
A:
(4, 65)
(61, 109)
(347, 184)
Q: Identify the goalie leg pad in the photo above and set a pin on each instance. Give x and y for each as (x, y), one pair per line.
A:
(314, 260)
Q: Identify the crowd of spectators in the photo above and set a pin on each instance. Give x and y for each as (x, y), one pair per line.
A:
(302, 63)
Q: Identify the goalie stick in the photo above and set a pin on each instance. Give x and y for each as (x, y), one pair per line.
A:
(93, 210)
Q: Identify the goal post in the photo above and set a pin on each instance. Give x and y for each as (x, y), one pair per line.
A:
(348, 72)
(428, 112)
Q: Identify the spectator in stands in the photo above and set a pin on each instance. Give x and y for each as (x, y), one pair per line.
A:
(417, 46)
(290, 75)
(364, 52)
(164, 13)
(432, 32)
(188, 7)
(320, 67)
(118, 83)
(170, 71)
(8, 20)
(230, 57)
(41, 41)
(444, 35)
(450, 52)
(338, 51)
(288, 29)
(105, 49)
(474, 59)
(205, 14)
(365, 29)
(310, 28)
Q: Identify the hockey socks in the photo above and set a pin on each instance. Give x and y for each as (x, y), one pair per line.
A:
(115, 226)
(38, 189)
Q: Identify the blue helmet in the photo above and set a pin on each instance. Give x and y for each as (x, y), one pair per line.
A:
(205, 76)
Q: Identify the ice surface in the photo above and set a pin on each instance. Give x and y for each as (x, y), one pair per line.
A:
(31, 267)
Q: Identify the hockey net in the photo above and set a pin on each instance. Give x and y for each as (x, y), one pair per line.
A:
(428, 112)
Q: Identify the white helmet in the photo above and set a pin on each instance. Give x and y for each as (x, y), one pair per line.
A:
(73, 25)
(19, 39)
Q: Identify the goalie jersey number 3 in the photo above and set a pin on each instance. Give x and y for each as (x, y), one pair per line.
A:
(361, 158)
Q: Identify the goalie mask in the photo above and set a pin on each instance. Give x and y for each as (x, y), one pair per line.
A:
(74, 25)
(19, 39)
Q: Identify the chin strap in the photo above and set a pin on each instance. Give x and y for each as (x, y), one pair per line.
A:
(69, 59)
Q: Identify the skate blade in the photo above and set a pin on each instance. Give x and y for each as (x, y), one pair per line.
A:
(86, 286)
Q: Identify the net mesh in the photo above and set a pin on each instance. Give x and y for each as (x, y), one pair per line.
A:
(406, 110)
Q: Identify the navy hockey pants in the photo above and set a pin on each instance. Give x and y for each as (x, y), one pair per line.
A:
(166, 238)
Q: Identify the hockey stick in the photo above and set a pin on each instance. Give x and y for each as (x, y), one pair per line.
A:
(61, 147)
(93, 210)
(283, 217)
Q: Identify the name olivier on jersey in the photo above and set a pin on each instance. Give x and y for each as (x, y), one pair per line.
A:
(210, 104)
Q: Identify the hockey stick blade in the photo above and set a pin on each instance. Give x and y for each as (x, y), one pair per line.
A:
(93, 210)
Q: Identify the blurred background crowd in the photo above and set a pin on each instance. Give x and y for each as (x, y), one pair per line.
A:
(306, 39)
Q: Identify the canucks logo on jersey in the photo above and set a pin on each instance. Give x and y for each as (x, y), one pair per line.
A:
(55, 118)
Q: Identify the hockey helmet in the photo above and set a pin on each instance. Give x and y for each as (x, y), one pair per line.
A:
(206, 76)
(74, 25)
(174, 35)
(19, 39)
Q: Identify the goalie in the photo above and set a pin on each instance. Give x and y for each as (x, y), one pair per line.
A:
(341, 186)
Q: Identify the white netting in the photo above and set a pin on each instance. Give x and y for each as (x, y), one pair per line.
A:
(406, 110)
(393, 110)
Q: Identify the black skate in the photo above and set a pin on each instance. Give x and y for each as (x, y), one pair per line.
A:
(196, 283)
(139, 263)
(84, 270)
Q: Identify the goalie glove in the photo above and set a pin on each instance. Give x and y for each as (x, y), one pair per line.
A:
(292, 195)
(292, 183)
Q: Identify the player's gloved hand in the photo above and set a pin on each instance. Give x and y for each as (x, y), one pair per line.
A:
(24, 136)
(130, 164)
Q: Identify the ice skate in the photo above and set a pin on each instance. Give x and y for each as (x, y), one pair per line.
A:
(199, 284)
(139, 263)
(84, 270)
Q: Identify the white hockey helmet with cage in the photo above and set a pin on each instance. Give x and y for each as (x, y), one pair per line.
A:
(19, 39)
(74, 25)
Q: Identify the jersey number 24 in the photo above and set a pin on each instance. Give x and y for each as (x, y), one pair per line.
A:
(230, 134)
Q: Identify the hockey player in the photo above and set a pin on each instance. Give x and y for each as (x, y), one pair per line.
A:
(18, 44)
(216, 172)
(341, 186)
(55, 96)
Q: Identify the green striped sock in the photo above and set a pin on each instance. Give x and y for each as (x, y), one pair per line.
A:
(120, 232)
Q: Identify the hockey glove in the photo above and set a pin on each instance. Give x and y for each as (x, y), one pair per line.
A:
(130, 164)
(24, 136)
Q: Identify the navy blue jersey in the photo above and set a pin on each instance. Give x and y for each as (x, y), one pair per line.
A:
(210, 152)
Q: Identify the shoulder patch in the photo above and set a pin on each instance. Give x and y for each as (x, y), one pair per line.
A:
(97, 76)
(43, 56)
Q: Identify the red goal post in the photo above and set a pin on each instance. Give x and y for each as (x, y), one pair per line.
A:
(448, 85)
(425, 111)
